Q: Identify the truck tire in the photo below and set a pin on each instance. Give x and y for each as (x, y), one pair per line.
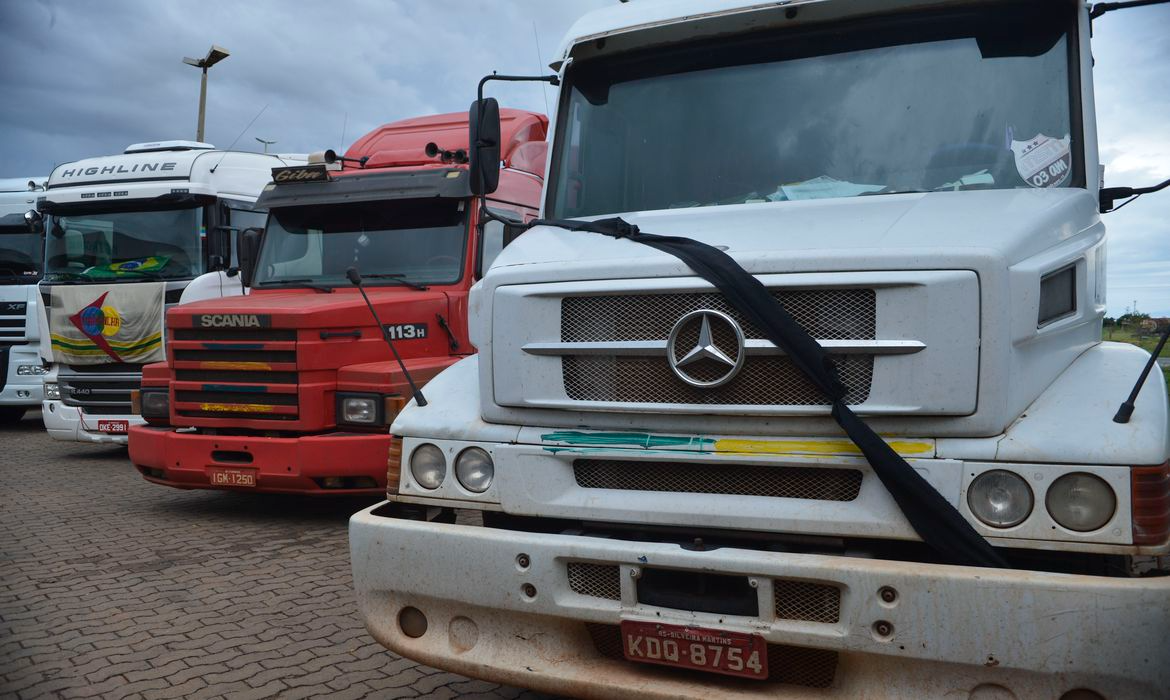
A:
(11, 414)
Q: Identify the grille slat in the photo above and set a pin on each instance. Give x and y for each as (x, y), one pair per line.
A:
(827, 314)
(98, 393)
(238, 393)
(809, 483)
(595, 580)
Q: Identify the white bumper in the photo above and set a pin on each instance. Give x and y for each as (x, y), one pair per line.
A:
(22, 390)
(957, 632)
(70, 424)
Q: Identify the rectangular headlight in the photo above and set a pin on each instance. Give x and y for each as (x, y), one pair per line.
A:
(359, 409)
(30, 370)
(1058, 295)
(156, 403)
(52, 391)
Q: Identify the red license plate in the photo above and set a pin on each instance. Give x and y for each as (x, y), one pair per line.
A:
(232, 477)
(730, 653)
(116, 427)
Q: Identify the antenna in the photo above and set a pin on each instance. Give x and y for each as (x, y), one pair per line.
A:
(344, 124)
(249, 126)
(355, 278)
(540, 66)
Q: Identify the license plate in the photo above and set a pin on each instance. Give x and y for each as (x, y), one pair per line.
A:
(232, 477)
(116, 427)
(716, 651)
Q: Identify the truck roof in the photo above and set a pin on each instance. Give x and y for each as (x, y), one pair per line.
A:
(656, 22)
(404, 142)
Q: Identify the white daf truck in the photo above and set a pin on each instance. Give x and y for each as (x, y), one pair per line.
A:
(20, 268)
(125, 235)
(636, 490)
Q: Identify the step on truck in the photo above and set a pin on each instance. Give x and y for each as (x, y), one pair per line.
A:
(292, 388)
(125, 236)
(797, 388)
(20, 269)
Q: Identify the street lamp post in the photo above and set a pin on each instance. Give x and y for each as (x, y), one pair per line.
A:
(266, 143)
(214, 55)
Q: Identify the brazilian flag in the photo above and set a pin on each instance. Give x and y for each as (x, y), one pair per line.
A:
(142, 267)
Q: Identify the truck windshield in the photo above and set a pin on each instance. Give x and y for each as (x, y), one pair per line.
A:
(126, 245)
(936, 102)
(20, 255)
(419, 241)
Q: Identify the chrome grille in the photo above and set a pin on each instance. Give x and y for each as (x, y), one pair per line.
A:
(806, 601)
(827, 314)
(771, 380)
(787, 665)
(763, 381)
(595, 580)
(809, 483)
(99, 390)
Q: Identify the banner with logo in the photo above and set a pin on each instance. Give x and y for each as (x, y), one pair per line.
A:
(94, 324)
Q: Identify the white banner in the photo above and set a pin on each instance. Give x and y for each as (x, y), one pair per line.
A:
(95, 324)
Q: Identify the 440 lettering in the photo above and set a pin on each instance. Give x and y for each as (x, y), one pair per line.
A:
(716, 651)
(407, 331)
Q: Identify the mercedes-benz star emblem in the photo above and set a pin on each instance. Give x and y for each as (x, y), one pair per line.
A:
(714, 359)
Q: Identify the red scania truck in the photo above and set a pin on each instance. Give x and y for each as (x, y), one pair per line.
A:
(292, 387)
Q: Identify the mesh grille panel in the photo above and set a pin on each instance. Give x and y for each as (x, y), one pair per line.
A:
(806, 601)
(595, 580)
(788, 665)
(827, 314)
(810, 483)
(763, 381)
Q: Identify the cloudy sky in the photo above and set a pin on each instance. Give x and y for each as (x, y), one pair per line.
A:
(83, 79)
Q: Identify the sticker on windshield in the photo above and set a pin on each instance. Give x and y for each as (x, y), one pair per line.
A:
(1043, 161)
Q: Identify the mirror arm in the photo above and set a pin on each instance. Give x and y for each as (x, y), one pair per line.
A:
(553, 80)
(1109, 195)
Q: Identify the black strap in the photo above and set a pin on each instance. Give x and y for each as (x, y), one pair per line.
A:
(935, 520)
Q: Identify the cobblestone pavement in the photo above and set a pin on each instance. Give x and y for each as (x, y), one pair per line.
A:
(111, 587)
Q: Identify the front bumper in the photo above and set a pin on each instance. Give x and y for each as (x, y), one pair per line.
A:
(71, 424)
(18, 389)
(955, 631)
(282, 465)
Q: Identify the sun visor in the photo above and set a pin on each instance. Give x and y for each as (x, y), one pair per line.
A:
(367, 187)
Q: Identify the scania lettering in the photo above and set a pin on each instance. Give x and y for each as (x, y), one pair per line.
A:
(128, 236)
(292, 388)
(20, 269)
(808, 276)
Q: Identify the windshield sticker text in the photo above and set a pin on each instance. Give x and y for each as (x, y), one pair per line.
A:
(1043, 161)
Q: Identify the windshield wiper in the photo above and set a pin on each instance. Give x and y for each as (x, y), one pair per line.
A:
(299, 282)
(399, 278)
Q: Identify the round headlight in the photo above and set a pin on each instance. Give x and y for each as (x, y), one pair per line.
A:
(428, 466)
(1081, 502)
(474, 469)
(1000, 498)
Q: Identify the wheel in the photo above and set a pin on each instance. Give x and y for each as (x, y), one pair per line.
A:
(11, 414)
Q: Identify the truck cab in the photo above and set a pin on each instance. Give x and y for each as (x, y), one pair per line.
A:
(633, 491)
(20, 269)
(292, 388)
(124, 237)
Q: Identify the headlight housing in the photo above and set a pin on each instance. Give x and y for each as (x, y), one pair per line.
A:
(30, 370)
(156, 403)
(1081, 502)
(428, 466)
(1000, 498)
(360, 409)
(474, 469)
(52, 391)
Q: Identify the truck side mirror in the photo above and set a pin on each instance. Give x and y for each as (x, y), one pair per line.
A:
(35, 221)
(248, 252)
(219, 248)
(483, 125)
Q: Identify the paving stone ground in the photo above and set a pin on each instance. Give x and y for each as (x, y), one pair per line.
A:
(111, 587)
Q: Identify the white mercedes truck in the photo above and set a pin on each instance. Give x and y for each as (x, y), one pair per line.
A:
(20, 269)
(642, 485)
(124, 237)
